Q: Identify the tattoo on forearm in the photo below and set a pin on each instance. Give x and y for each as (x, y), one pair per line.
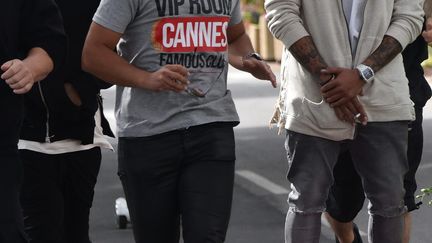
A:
(305, 52)
(388, 49)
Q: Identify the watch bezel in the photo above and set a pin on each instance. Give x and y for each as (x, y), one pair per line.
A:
(366, 73)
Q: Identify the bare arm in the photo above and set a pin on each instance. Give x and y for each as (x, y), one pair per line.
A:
(239, 46)
(386, 52)
(99, 59)
(306, 53)
(20, 75)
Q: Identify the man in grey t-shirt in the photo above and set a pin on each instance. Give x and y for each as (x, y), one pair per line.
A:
(175, 116)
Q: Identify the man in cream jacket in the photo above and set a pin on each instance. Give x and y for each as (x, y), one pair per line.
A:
(344, 88)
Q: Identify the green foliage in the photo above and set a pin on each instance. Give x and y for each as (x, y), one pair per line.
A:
(252, 10)
(426, 192)
(251, 17)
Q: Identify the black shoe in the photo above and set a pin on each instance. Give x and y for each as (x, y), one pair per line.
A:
(357, 237)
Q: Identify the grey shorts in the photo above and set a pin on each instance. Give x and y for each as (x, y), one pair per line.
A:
(379, 156)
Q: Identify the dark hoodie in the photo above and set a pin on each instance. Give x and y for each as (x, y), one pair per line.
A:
(50, 114)
(25, 24)
(413, 55)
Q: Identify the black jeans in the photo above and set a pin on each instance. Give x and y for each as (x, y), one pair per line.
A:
(11, 109)
(182, 176)
(57, 194)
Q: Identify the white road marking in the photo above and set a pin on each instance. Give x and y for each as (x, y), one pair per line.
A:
(276, 189)
(425, 167)
(262, 182)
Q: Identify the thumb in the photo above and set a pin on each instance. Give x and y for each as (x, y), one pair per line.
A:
(331, 70)
(6, 65)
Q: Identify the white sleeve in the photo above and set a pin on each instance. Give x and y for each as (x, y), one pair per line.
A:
(284, 22)
(407, 21)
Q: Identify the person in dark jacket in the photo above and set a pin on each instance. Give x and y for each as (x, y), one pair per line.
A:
(32, 43)
(61, 140)
(346, 196)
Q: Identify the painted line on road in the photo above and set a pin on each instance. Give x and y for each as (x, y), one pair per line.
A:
(426, 166)
(262, 182)
(274, 188)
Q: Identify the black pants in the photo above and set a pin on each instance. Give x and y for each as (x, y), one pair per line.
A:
(181, 176)
(11, 109)
(57, 195)
(346, 196)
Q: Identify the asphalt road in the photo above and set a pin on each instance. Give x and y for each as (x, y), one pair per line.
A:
(261, 188)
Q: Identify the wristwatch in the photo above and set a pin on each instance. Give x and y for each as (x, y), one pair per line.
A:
(254, 55)
(366, 73)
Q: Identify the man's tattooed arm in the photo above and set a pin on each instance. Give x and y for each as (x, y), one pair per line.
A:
(306, 53)
(386, 51)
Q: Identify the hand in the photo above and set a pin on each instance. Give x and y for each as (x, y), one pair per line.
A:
(169, 77)
(427, 34)
(352, 112)
(344, 87)
(18, 76)
(259, 69)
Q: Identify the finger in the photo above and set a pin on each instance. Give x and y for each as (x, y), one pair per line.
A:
(351, 107)
(349, 116)
(329, 85)
(21, 83)
(174, 85)
(332, 92)
(10, 70)
(359, 107)
(178, 69)
(332, 70)
(7, 65)
(332, 97)
(340, 114)
(16, 78)
(24, 89)
(180, 79)
(273, 80)
(272, 77)
(339, 102)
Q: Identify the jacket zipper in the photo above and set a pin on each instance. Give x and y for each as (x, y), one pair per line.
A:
(347, 30)
(354, 130)
(47, 126)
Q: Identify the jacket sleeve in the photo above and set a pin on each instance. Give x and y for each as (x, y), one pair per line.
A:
(42, 27)
(407, 21)
(284, 22)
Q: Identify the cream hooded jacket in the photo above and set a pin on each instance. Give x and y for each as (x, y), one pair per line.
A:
(300, 107)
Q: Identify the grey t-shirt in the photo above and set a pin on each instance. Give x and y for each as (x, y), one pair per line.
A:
(159, 32)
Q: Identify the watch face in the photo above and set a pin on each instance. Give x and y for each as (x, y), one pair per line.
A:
(368, 73)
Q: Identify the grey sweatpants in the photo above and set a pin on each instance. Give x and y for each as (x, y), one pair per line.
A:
(379, 155)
